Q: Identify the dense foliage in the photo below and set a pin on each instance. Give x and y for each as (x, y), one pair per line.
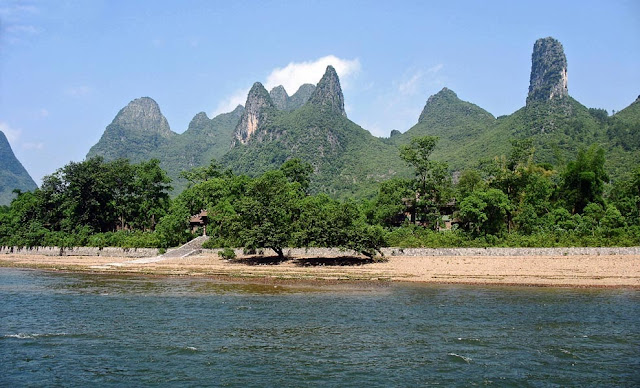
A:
(90, 203)
(506, 201)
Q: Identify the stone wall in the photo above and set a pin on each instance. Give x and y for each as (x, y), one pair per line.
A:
(335, 252)
(332, 252)
(511, 251)
(81, 251)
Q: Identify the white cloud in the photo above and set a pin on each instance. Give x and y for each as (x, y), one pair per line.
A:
(17, 11)
(78, 91)
(23, 29)
(12, 134)
(410, 86)
(295, 74)
(419, 80)
(33, 146)
(43, 113)
(239, 97)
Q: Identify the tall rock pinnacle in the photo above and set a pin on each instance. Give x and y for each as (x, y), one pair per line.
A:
(548, 71)
(328, 93)
(255, 111)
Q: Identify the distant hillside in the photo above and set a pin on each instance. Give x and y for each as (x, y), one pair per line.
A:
(558, 124)
(347, 159)
(205, 139)
(312, 125)
(12, 174)
(136, 131)
(455, 122)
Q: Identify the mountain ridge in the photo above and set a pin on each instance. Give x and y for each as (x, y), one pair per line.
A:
(271, 129)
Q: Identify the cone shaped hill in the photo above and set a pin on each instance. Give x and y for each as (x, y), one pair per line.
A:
(347, 160)
(13, 175)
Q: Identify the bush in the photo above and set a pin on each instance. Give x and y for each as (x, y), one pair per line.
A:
(227, 254)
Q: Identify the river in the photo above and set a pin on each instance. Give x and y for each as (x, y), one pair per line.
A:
(65, 329)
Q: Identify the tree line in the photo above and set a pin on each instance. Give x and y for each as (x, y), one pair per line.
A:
(506, 201)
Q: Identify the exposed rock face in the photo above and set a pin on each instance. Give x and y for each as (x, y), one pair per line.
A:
(142, 114)
(328, 93)
(287, 103)
(279, 97)
(256, 110)
(548, 71)
(301, 97)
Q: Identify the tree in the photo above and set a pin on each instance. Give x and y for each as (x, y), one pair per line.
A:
(391, 201)
(325, 222)
(298, 171)
(434, 186)
(267, 214)
(485, 212)
(417, 154)
(584, 179)
(151, 186)
(202, 174)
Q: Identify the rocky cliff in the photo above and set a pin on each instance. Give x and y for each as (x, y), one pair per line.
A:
(287, 103)
(548, 79)
(328, 93)
(257, 109)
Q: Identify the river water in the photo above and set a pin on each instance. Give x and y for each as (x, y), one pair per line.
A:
(82, 330)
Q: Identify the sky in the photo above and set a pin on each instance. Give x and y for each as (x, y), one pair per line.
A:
(68, 67)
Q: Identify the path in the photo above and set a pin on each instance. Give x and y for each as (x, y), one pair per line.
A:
(191, 248)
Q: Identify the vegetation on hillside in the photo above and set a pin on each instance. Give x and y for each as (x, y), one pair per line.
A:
(509, 201)
(13, 176)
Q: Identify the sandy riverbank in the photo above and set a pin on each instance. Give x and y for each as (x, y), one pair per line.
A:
(568, 271)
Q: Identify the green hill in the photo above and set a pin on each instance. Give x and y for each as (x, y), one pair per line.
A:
(137, 130)
(12, 174)
(347, 160)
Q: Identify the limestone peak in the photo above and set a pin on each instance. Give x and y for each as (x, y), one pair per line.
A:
(258, 100)
(280, 97)
(142, 114)
(328, 93)
(548, 79)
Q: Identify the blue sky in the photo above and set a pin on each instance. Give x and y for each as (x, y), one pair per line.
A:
(68, 67)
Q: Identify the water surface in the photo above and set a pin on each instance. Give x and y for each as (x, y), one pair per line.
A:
(78, 329)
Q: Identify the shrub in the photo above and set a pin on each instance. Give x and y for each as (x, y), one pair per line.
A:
(227, 254)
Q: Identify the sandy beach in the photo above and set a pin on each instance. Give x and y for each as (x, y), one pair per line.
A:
(621, 271)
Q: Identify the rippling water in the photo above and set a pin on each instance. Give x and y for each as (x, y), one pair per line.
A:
(78, 330)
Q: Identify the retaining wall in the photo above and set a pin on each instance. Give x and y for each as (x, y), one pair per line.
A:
(332, 252)
(335, 252)
(81, 251)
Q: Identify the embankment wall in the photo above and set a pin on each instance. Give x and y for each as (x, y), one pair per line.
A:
(81, 251)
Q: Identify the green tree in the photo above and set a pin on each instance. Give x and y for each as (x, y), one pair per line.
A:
(485, 212)
(298, 171)
(325, 222)
(267, 214)
(584, 179)
(391, 201)
(433, 180)
(202, 174)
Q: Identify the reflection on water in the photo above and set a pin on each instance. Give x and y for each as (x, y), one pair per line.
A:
(74, 329)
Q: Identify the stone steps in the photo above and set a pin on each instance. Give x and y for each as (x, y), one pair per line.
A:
(191, 248)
